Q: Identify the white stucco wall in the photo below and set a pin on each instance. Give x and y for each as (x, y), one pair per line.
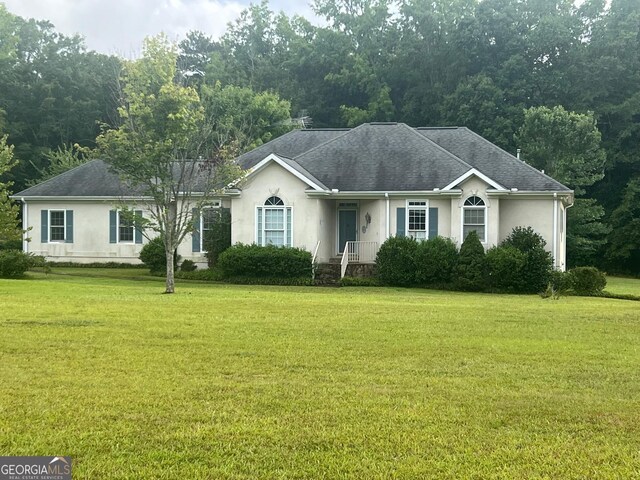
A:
(274, 180)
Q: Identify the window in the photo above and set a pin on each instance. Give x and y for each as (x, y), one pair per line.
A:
(207, 219)
(417, 224)
(274, 223)
(474, 218)
(125, 228)
(56, 225)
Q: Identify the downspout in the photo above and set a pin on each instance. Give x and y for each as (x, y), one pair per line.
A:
(565, 233)
(25, 225)
(388, 232)
(555, 231)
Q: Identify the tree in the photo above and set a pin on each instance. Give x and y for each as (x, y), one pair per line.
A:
(63, 159)
(9, 223)
(623, 252)
(566, 145)
(160, 146)
(472, 265)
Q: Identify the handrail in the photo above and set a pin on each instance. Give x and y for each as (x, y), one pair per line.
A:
(345, 260)
(357, 252)
(315, 253)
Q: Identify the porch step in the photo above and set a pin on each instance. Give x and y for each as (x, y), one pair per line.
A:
(327, 274)
(337, 260)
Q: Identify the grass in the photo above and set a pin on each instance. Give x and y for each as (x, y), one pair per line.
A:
(238, 382)
(622, 285)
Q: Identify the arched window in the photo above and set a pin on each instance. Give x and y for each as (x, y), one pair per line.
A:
(274, 223)
(474, 218)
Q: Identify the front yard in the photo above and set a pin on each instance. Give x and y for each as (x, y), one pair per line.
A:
(267, 382)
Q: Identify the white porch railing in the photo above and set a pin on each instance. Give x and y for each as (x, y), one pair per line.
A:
(358, 252)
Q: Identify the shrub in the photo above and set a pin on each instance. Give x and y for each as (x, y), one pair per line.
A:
(11, 245)
(535, 274)
(188, 266)
(14, 263)
(205, 275)
(561, 282)
(505, 266)
(253, 261)
(436, 261)
(359, 282)
(471, 269)
(588, 281)
(218, 239)
(396, 261)
(154, 256)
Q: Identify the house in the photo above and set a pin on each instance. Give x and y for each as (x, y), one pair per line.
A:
(324, 190)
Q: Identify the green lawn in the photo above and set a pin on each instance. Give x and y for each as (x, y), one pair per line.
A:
(627, 286)
(265, 382)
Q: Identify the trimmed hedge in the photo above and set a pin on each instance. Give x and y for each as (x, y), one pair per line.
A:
(154, 256)
(396, 262)
(253, 261)
(218, 239)
(471, 269)
(534, 275)
(359, 282)
(436, 261)
(588, 281)
(505, 266)
(206, 275)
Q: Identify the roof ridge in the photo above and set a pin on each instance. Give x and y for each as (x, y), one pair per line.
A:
(455, 157)
(346, 132)
(58, 176)
(513, 158)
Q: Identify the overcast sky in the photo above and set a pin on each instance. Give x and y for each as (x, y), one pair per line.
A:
(118, 26)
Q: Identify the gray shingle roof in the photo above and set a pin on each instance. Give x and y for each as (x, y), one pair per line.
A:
(93, 179)
(371, 157)
(491, 160)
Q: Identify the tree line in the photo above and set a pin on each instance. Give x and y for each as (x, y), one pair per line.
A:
(559, 81)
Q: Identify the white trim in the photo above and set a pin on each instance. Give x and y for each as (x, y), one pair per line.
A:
(64, 225)
(478, 174)
(424, 207)
(555, 231)
(383, 194)
(25, 226)
(274, 158)
(388, 222)
(285, 208)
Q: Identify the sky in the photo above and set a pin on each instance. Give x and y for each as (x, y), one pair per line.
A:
(119, 26)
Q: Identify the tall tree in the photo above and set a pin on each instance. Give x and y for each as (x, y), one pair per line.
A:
(9, 223)
(156, 147)
(566, 145)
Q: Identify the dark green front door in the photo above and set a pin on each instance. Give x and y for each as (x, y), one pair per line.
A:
(347, 227)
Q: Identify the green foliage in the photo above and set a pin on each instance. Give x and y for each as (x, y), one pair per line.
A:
(588, 281)
(61, 160)
(14, 263)
(9, 223)
(534, 275)
(153, 255)
(188, 266)
(436, 260)
(205, 275)
(506, 265)
(359, 282)
(623, 251)
(253, 261)
(561, 282)
(218, 239)
(471, 269)
(396, 261)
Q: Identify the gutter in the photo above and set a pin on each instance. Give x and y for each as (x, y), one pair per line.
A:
(388, 229)
(555, 230)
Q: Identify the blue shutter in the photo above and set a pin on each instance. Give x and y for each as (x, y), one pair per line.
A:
(195, 236)
(44, 226)
(289, 239)
(137, 226)
(433, 222)
(113, 226)
(400, 222)
(259, 225)
(68, 238)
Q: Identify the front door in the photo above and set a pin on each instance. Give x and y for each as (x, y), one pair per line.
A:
(347, 227)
